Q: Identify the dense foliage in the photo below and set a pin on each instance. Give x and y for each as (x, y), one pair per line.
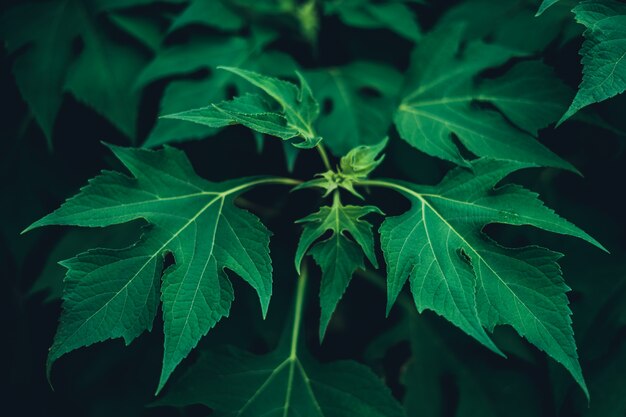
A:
(305, 207)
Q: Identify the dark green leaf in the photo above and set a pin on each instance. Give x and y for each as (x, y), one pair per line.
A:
(298, 104)
(357, 103)
(101, 75)
(440, 93)
(339, 255)
(544, 5)
(115, 293)
(603, 52)
(395, 15)
(461, 274)
(285, 382)
(212, 13)
(250, 110)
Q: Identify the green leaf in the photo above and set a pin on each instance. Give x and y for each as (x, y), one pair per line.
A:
(291, 154)
(544, 6)
(40, 70)
(457, 271)
(481, 387)
(211, 13)
(358, 101)
(46, 65)
(114, 293)
(200, 53)
(103, 76)
(298, 104)
(101, 5)
(393, 15)
(50, 280)
(356, 165)
(298, 110)
(507, 23)
(145, 29)
(441, 93)
(603, 52)
(286, 382)
(250, 110)
(340, 254)
(362, 160)
(529, 95)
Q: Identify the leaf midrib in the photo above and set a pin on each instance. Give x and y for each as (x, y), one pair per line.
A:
(425, 203)
(221, 195)
(292, 360)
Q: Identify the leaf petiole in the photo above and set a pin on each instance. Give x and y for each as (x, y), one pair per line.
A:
(324, 156)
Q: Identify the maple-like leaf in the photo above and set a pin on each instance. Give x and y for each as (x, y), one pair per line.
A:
(482, 388)
(603, 52)
(298, 109)
(506, 23)
(441, 97)
(340, 254)
(285, 382)
(201, 53)
(115, 293)
(43, 35)
(457, 271)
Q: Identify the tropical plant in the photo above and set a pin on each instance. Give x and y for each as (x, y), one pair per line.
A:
(332, 155)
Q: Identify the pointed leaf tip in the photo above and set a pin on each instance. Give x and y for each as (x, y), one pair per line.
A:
(470, 279)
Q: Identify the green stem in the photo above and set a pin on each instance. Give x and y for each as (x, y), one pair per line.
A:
(281, 180)
(273, 180)
(386, 184)
(336, 198)
(398, 188)
(297, 314)
(324, 156)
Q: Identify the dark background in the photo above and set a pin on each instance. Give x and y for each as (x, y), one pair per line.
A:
(111, 379)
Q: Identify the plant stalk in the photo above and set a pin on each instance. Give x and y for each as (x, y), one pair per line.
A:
(297, 314)
(324, 156)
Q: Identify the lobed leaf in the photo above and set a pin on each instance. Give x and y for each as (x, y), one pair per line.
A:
(202, 53)
(358, 101)
(249, 110)
(298, 110)
(115, 293)
(455, 270)
(298, 104)
(287, 381)
(340, 254)
(46, 65)
(441, 93)
(603, 51)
